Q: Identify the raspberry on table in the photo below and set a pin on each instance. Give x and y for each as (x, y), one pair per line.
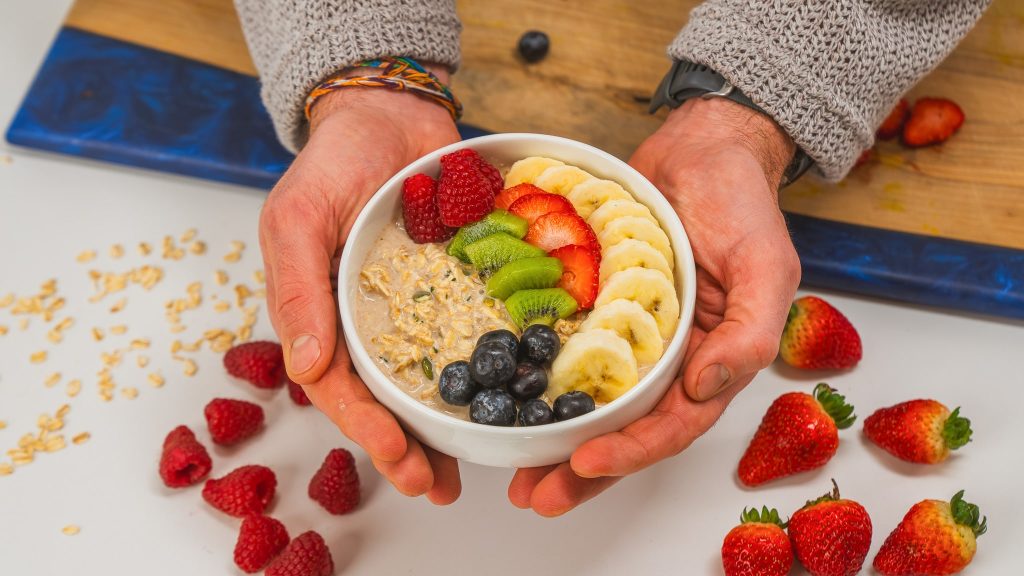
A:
(260, 539)
(420, 211)
(184, 461)
(232, 421)
(244, 491)
(261, 363)
(306, 555)
(335, 486)
(297, 394)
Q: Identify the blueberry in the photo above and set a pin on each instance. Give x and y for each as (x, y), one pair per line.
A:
(535, 412)
(455, 385)
(529, 381)
(492, 365)
(573, 404)
(539, 345)
(493, 407)
(506, 337)
(534, 46)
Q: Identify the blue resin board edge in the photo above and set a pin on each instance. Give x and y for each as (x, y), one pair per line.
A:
(106, 99)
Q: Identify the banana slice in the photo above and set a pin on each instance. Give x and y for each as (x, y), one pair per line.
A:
(614, 209)
(648, 288)
(527, 170)
(589, 195)
(636, 228)
(629, 253)
(561, 179)
(633, 324)
(598, 362)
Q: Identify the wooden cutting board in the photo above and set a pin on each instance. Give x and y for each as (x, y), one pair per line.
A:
(607, 55)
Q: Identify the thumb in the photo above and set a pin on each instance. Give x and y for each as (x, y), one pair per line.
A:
(298, 244)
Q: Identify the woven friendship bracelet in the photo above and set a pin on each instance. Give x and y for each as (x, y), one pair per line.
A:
(401, 74)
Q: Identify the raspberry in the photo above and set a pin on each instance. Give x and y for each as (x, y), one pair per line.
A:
(493, 176)
(260, 363)
(184, 460)
(297, 394)
(419, 210)
(231, 421)
(336, 484)
(260, 538)
(244, 491)
(465, 194)
(307, 555)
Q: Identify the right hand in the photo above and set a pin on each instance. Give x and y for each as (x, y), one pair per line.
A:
(358, 139)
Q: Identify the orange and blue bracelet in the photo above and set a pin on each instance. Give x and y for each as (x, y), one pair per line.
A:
(401, 74)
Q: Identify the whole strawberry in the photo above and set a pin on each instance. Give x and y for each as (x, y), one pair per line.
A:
(831, 536)
(932, 121)
(336, 484)
(261, 363)
(260, 538)
(307, 555)
(231, 421)
(933, 539)
(183, 461)
(758, 546)
(465, 193)
(244, 491)
(819, 337)
(419, 211)
(297, 394)
(922, 431)
(799, 432)
(893, 123)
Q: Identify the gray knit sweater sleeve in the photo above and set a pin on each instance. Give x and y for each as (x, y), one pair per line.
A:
(298, 43)
(828, 71)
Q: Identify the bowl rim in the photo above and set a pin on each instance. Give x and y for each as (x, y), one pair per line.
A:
(347, 301)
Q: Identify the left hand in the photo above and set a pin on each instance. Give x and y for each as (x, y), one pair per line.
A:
(719, 164)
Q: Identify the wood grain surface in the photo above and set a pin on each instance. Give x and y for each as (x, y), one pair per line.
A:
(606, 57)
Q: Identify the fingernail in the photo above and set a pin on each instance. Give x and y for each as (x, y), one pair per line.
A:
(305, 353)
(711, 381)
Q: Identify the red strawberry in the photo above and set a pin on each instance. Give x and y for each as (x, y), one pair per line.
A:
(307, 555)
(559, 229)
(491, 173)
(336, 484)
(758, 546)
(261, 363)
(260, 538)
(297, 394)
(798, 433)
(184, 461)
(934, 538)
(864, 158)
(893, 123)
(508, 196)
(465, 193)
(231, 421)
(922, 431)
(932, 121)
(533, 206)
(819, 337)
(831, 536)
(244, 491)
(581, 266)
(419, 210)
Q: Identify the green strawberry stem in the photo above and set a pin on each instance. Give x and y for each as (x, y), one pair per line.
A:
(835, 405)
(956, 431)
(967, 514)
(765, 516)
(829, 497)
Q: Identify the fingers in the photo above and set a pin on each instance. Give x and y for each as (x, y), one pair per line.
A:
(523, 483)
(561, 490)
(298, 236)
(411, 474)
(760, 284)
(447, 483)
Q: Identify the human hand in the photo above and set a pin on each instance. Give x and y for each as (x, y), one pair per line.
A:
(358, 139)
(719, 164)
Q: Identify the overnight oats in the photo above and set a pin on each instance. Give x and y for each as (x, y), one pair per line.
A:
(517, 300)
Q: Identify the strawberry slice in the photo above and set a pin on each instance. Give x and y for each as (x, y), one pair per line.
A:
(580, 272)
(558, 229)
(932, 121)
(533, 206)
(506, 197)
(893, 123)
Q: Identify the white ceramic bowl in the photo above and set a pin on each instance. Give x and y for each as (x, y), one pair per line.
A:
(515, 446)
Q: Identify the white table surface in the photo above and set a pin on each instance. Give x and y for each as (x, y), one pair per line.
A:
(667, 520)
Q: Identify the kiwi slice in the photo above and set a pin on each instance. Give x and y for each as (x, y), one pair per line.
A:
(497, 221)
(539, 306)
(524, 274)
(492, 252)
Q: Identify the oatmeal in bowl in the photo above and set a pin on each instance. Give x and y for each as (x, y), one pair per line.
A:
(511, 297)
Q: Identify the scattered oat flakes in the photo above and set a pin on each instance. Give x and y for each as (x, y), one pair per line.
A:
(6, 469)
(155, 380)
(187, 236)
(70, 530)
(142, 361)
(171, 250)
(86, 256)
(52, 380)
(116, 251)
(23, 324)
(81, 438)
(74, 387)
(190, 368)
(130, 392)
(97, 334)
(7, 300)
(258, 276)
(118, 329)
(236, 251)
(38, 357)
(198, 247)
(3, 329)
(221, 277)
(144, 248)
(140, 343)
(118, 306)
(222, 306)
(3, 424)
